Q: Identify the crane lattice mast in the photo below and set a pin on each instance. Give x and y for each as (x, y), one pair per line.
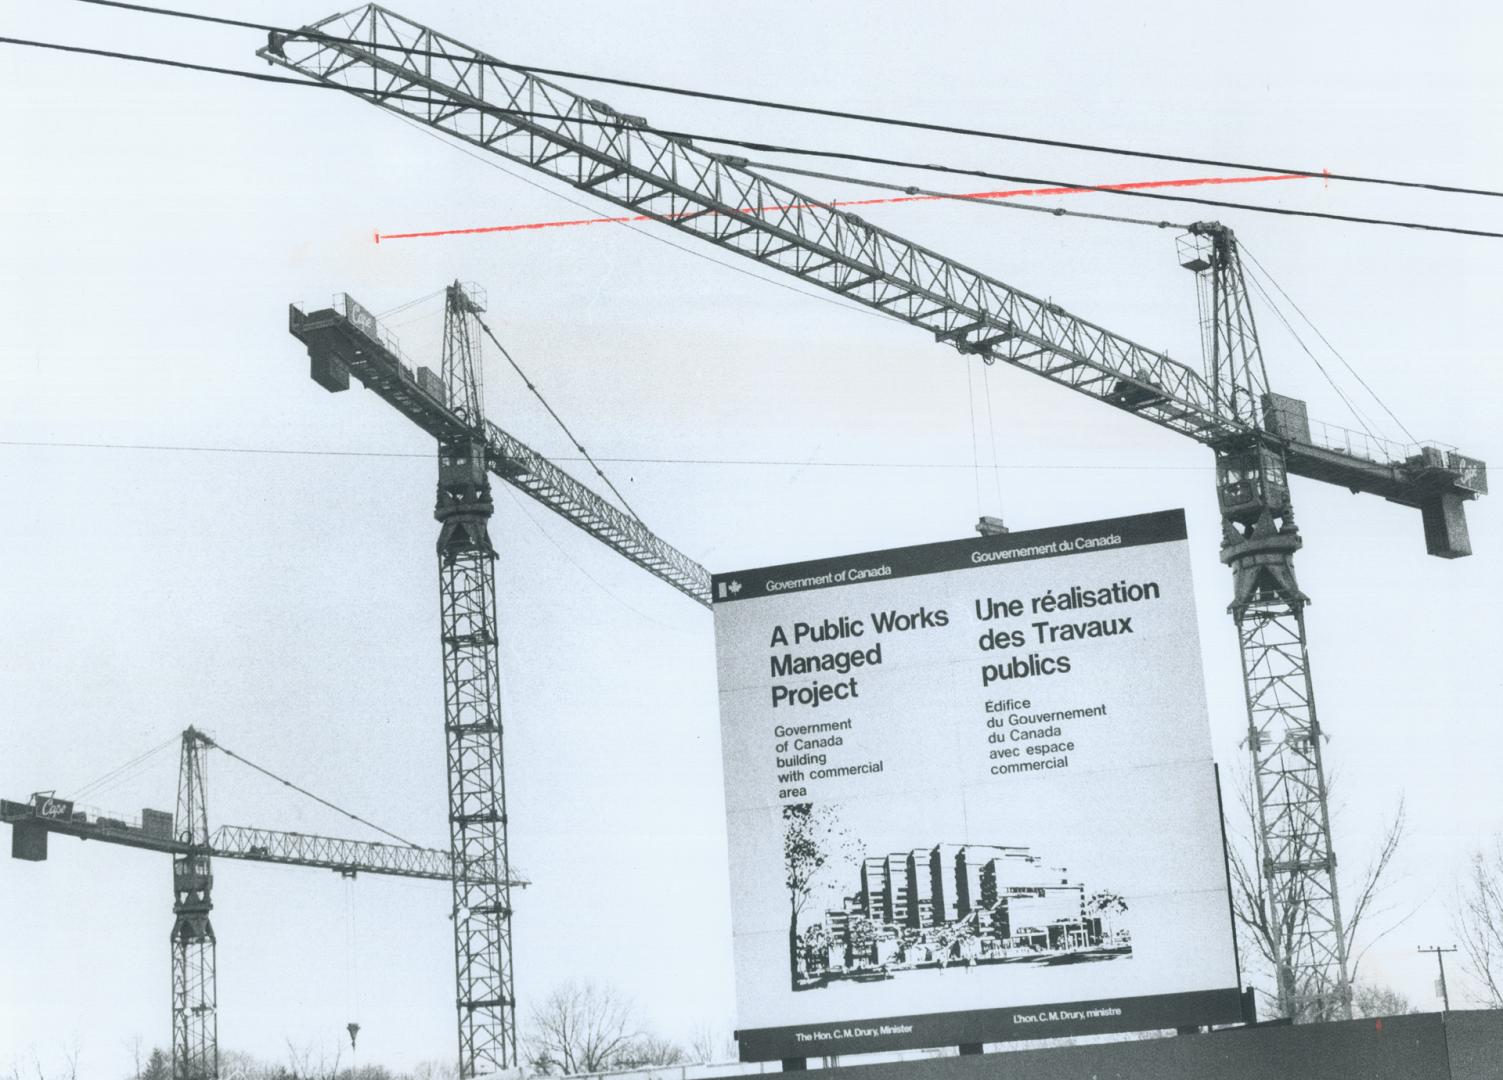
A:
(1259, 438)
(195, 1015)
(472, 710)
(343, 340)
(1259, 539)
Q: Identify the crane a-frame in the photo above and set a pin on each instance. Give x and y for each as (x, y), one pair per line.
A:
(187, 838)
(1258, 438)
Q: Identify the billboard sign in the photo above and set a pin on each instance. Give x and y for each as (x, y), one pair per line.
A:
(970, 794)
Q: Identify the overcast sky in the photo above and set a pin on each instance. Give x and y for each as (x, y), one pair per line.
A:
(275, 584)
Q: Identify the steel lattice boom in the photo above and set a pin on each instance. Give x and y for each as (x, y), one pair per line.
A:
(589, 145)
(345, 339)
(417, 72)
(247, 843)
(332, 853)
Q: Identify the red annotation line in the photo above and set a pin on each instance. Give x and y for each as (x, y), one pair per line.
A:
(1138, 185)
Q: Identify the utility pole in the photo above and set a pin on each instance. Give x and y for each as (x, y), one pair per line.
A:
(1440, 958)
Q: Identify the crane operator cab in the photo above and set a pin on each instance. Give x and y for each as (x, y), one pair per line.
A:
(1249, 480)
(462, 477)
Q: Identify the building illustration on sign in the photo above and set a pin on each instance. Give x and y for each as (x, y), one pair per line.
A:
(958, 904)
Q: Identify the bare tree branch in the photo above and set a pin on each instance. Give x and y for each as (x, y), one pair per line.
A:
(587, 1027)
(1372, 885)
(1272, 930)
(1478, 920)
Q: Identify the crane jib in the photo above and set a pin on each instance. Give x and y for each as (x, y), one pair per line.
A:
(589, 145)
(416, 72)
(226, 842)
(344, 340)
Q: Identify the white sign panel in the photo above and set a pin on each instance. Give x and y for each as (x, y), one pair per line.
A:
(970, 794)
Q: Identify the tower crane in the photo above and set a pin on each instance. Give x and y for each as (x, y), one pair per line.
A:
(343, 340)
(186, 837)
(1259, 438)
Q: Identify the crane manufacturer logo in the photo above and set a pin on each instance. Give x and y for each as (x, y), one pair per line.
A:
(50, 809)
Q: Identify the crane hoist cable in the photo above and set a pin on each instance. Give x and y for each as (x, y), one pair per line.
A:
(351, 960)
(811, 110)
(970, 394)
(991, 423)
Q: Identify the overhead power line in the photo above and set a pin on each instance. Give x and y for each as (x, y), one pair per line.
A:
(983, 199)
(871, 159)
(781, 149)
(812, 110)
(208, 69)
(1182, 159)
(162, 61)
(738, 462)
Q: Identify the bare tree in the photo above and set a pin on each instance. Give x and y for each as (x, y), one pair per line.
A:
(310, 1063)
(590, 1027)
(158, 1066)
(649, 1050)
(812, 838)
(1271, 930)
(64, 1068)
(1477, 915)
(133, 1044)
(711, 1043)
(67, 1065)
(1370, 999)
